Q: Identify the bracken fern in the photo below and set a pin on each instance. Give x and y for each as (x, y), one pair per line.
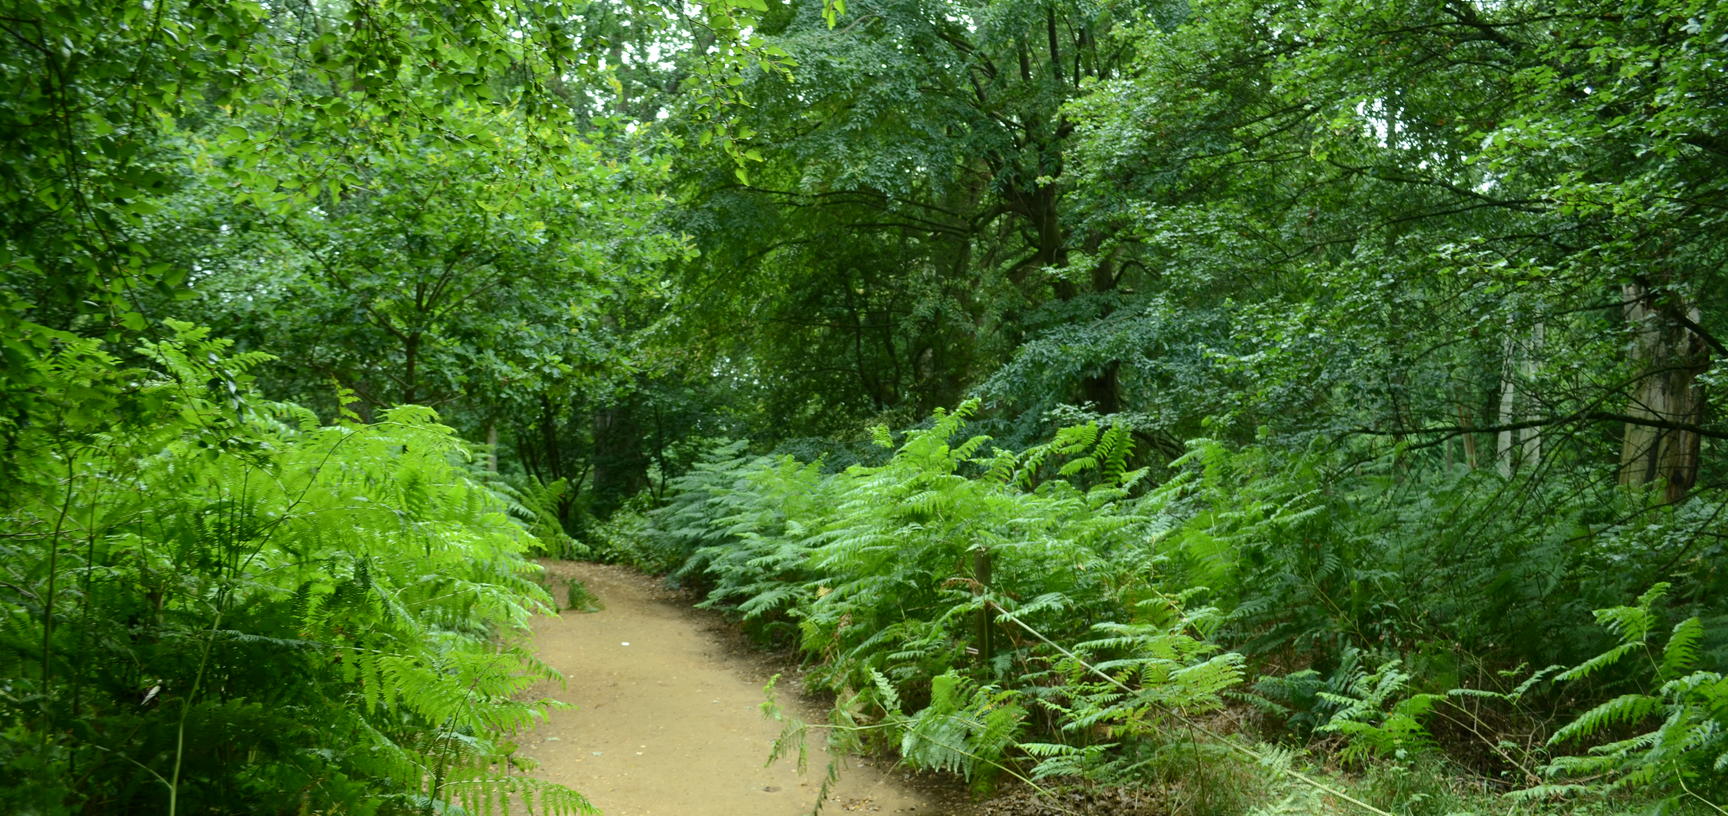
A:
(217, 604)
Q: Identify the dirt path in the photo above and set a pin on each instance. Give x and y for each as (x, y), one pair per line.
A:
(668, 719)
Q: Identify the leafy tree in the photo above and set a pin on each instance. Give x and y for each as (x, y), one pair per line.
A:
(451, 274)
(929, 137)
(1362, 167)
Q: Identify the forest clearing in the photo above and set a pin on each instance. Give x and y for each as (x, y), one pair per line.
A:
(1131, 407)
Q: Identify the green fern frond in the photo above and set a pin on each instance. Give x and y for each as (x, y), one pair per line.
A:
(1598, 663)
(1693, 711)
(888, 698)
(480, 792)
(1680, 656)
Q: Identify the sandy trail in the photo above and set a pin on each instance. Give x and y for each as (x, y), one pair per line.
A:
(668, 719)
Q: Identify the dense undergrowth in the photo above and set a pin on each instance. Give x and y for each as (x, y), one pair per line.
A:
(217, 604)
(1208, 630)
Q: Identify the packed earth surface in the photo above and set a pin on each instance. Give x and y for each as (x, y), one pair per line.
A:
(666, 716)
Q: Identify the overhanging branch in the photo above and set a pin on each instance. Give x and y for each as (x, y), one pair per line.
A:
(1446, 432)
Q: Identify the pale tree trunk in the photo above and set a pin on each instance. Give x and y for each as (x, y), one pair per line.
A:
(1508, 413)
(1532, 436)
(492, 445)
(1469, 439)
(1518, 448)
(1669, 357)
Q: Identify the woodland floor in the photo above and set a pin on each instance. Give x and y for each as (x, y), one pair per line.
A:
(668, 721)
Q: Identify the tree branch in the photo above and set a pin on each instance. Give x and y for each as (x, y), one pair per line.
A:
(1451, 431)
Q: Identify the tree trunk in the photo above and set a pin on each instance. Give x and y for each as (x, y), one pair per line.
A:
(1503, 447)
(492, 445)
(1669, 357)
(620, 466)
(1532, 453)
(1522, 448)
(411, 369)
(551, 454)
(1469, 439)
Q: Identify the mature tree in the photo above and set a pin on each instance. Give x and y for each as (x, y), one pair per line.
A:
(1462, 212)
(902, 205)
(450, 272)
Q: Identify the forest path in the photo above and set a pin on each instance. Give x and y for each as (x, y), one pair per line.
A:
(668, 718)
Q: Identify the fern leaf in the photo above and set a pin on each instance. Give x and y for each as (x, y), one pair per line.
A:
(1597, 663)
(1680, 656)
(1625, 709)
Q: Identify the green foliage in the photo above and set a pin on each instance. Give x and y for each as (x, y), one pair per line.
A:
(426, 202)
(1435, 289)
(904, 208)
(1659, 748)
(538, 505)
(876, 571)
(1669, 738)
(1373, 724)
(715, 488)
(577, 597)
(966, 729)
(216, 604)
